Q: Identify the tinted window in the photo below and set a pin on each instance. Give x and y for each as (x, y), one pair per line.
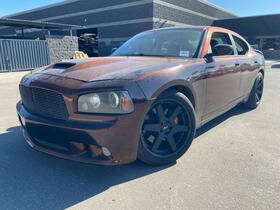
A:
(219, 38)
(241, 46)
(171, 42)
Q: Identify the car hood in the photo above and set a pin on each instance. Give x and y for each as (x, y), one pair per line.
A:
(110, 68)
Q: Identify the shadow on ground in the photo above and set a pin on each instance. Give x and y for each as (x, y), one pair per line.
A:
(33, 180)
(238, 110)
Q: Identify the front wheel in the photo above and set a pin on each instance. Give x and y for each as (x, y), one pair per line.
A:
(168, 129)
(256, 92)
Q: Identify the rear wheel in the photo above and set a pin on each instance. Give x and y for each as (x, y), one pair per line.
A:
(168, 129)
(256, 92)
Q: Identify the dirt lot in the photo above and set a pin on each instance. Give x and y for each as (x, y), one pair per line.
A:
(234, 163)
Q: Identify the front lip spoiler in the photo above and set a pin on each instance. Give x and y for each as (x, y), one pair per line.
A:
(60, 123)
(66, 157)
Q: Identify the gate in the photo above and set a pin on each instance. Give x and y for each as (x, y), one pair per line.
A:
(17, 55)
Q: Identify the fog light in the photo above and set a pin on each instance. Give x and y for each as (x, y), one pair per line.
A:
(106, 152)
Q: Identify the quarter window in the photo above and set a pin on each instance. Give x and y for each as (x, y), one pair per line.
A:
(241, 46)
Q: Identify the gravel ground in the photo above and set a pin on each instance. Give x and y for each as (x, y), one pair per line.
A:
(234, 163)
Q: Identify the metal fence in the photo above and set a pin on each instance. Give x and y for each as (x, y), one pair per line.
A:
(16, 55)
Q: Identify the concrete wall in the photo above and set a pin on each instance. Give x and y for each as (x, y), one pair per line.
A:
(61, 47)
(201, 7)
(188, 12)
(178, 16)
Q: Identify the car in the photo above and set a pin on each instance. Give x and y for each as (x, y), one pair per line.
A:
(145, 101)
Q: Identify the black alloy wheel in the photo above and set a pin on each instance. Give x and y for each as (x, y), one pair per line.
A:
(259, 88)
(168, 129)
(256, 92)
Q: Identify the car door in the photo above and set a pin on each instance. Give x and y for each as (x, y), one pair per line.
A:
(222, 78)
(247, 65)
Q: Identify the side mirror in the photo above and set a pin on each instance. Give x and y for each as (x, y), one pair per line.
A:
(223, 49)
(114, 49)
(208, 58)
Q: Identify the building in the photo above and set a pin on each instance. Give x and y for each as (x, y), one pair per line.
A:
(106, 24)
(115, 21)
(263, 32)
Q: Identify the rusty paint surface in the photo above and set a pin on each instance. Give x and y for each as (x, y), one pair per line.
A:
(215, 87)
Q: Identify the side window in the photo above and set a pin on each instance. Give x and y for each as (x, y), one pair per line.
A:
(241, 46)
(219, 38)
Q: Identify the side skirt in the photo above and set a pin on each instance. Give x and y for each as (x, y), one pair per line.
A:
(210, 116)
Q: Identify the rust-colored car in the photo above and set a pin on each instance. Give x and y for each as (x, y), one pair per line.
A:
(145, 101)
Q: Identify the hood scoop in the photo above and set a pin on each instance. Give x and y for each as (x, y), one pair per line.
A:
(64, 65)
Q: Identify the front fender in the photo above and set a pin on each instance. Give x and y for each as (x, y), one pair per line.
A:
(170, 84)
(192, 79)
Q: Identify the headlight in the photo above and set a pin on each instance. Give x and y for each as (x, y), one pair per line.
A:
(115, 102)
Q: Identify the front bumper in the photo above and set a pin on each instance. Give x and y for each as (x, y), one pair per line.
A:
(117, 134)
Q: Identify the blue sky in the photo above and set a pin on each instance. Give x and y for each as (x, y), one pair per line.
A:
(239, 7)
(12, 6)
(249, 7)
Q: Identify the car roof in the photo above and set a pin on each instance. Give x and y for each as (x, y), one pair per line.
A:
(180, 27)
(203, 28)
(194, 27)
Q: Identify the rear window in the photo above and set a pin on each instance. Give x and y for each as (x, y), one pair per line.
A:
(241, 46)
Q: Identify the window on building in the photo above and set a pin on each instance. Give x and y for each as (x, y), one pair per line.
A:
(241, 46)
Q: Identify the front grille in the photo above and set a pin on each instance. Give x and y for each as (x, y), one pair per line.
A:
(43, 102)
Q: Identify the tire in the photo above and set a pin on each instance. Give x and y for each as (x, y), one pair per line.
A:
(256, 92)
(168, 129)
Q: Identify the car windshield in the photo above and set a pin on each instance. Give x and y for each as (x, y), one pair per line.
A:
(169, 43)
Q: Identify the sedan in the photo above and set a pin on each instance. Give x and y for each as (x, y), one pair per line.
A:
(145, 101)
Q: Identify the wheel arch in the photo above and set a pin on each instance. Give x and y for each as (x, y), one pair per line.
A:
(180, 86)
(262, 71)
